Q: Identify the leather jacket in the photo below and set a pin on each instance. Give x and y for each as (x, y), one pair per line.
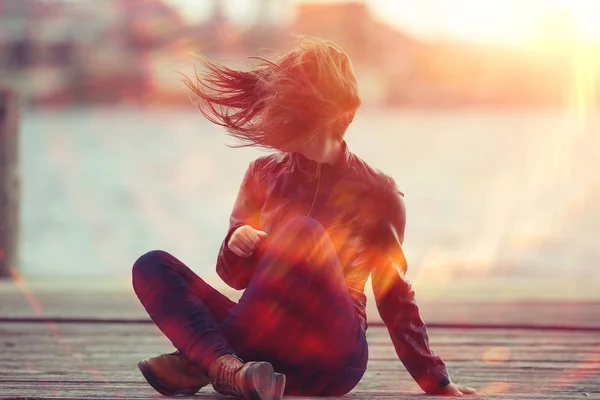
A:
(363, 212)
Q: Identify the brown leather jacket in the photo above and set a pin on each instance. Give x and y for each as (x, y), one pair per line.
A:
(363, 212)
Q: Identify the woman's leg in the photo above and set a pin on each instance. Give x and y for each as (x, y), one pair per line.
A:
(184, 307)
(297, 312)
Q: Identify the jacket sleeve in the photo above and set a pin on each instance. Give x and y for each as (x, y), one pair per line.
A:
(234, 270)
(395, 297)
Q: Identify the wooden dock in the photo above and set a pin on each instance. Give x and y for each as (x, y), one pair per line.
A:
(75, 354)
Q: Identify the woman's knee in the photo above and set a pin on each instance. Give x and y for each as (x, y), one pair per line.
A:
(148, 261)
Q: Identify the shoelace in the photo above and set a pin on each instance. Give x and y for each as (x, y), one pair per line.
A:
(226, 377)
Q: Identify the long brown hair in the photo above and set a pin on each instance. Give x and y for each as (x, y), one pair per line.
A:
(308, 91)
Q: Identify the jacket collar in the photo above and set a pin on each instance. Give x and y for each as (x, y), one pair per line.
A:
(309, 166)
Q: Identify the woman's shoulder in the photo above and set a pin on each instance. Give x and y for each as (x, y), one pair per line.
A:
(269, 160)
(375, 177)
(264, 165)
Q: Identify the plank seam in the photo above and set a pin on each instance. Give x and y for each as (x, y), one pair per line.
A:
(135, 321)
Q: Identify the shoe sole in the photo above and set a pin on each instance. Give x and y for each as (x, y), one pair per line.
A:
(263, 383)
(279, 386)
(159, 387)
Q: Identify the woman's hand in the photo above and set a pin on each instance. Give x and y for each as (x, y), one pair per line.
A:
(454, 390)
(245, 240)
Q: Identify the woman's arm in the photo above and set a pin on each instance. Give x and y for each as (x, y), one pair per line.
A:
(236, 271)
(396, 299)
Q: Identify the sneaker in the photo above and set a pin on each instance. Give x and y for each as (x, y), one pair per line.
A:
(255, 380)
(171, 374)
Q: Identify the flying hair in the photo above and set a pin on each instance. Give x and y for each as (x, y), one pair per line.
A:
(308, 91)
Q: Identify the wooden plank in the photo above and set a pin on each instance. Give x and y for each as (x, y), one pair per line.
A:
(91, 361)
(9, 182)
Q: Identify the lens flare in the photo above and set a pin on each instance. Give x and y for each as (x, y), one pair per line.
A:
(495, 355)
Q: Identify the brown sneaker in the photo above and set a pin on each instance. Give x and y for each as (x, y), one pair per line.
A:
(250, 381)
(171, 374)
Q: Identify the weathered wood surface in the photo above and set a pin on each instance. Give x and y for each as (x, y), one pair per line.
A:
(98, 361)
(84, 343)
(9, 182)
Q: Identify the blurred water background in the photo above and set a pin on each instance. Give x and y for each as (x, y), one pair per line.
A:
(489, 193)
(495, 145)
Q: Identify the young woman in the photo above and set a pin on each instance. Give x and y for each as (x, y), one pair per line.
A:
(310, 224)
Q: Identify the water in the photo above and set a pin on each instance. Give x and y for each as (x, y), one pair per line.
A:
(487, 193)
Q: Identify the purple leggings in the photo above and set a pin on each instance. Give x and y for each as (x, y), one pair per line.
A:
(295, 313)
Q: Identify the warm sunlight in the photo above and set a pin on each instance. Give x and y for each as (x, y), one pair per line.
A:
(584, 14)
(507, 22)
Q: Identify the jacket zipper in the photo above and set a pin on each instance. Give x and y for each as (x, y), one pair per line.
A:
(317, 190)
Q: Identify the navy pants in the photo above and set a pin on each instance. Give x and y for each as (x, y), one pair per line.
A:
(295, 313)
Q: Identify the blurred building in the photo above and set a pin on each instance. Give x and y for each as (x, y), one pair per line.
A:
(268, 27)
(116, 50)
(111, 51)
(80, 52)
(35, 42)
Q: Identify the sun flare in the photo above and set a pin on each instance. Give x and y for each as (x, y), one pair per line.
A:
(508, 21)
